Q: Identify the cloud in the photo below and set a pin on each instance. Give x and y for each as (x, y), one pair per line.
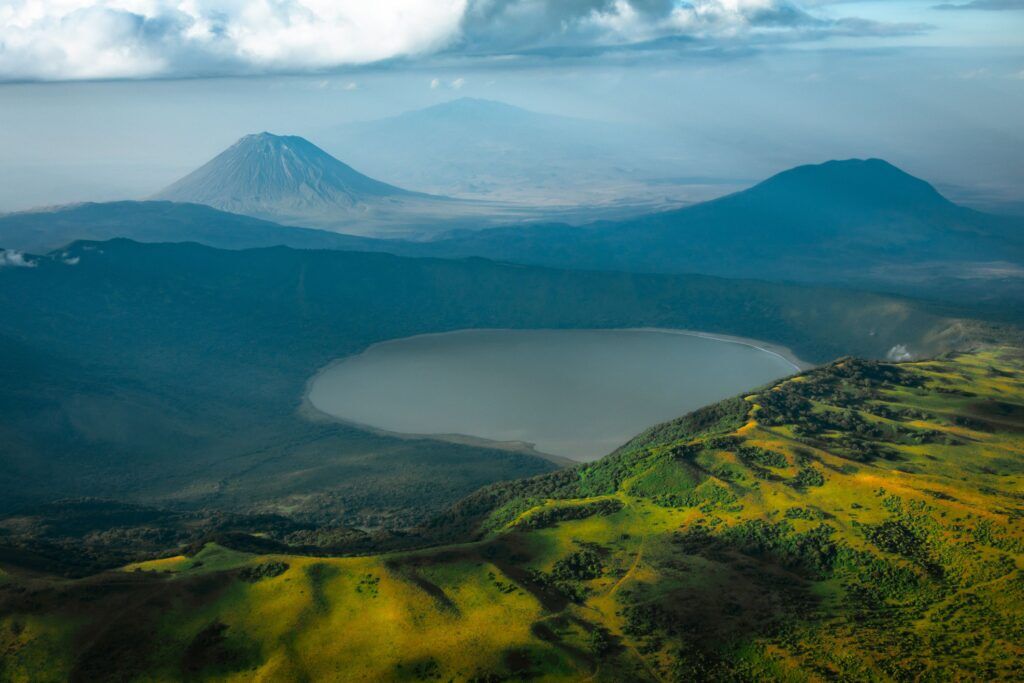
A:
(585, 27)
(491, 26)
(454, 84)
(14, 259)
(899, 353)
(983, 5)
(82, 39)
(91, 39)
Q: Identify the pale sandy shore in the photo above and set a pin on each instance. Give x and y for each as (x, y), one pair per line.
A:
(783, 352)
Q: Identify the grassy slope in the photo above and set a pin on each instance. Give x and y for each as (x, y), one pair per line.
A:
(862, 521)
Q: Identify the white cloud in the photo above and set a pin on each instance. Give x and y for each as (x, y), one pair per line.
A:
(83, 39)
(458, 83)
(79, 39)
(14, 259)
(702, 18)
(551, 24)
(899, 353)
(435, 83)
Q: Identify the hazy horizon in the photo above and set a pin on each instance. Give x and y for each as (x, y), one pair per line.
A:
(751, 88)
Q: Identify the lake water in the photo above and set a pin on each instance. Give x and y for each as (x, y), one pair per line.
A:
(573, 393)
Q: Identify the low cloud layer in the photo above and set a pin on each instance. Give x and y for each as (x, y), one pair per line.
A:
(14, 259)
(94, 39)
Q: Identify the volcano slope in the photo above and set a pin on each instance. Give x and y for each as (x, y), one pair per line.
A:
(861, 521)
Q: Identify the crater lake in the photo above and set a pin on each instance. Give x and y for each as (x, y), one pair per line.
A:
(578, 394)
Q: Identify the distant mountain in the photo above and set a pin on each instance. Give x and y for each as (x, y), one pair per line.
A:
(862, 222)
(491, 150)
(157, 221)
(290, 180)
(274, 173)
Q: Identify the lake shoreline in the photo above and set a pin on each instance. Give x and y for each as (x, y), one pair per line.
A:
(307, 410)
(783, 352)
(310, 412)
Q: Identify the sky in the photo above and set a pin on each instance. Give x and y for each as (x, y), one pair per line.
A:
(105, 99)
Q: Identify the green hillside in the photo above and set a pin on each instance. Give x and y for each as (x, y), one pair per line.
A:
(859, 522)
(170, 375)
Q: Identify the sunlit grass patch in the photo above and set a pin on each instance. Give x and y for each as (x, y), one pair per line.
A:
(211, 558)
